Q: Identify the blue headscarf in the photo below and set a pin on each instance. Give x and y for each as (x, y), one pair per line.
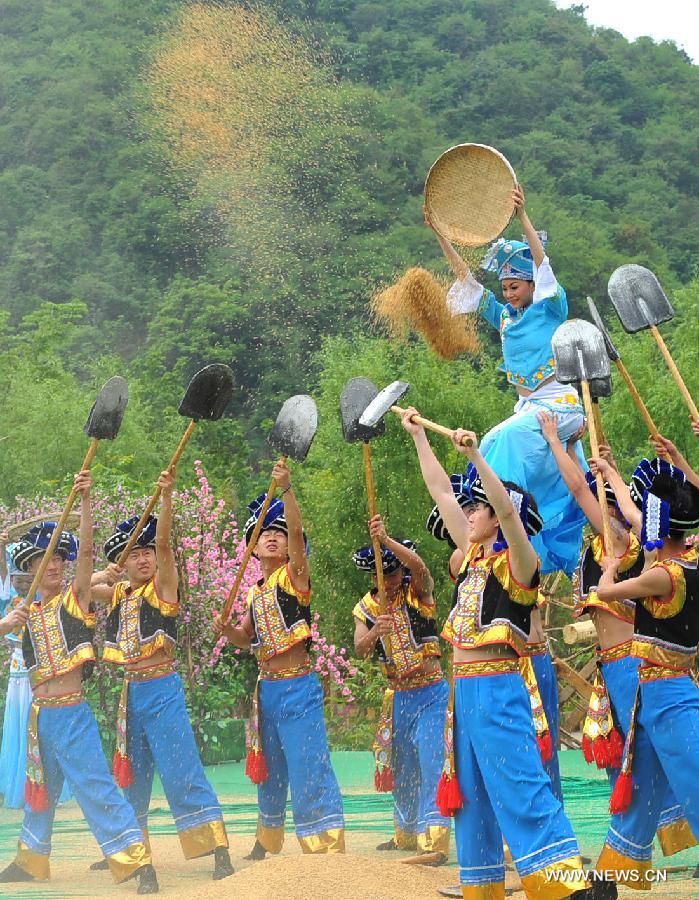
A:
(511, 259)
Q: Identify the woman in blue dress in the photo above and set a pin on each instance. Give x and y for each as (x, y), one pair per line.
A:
(535, 305)
(13, 752)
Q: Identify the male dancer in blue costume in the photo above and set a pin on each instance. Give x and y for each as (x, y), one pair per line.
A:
(63, 740)
(153, 727)
(289, 745)
(405, 638)
(492, 754)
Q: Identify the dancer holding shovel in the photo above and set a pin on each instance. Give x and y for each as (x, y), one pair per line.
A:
(288, 742)
(661, 743)
(491, 751)
(408, 759)
(535, 304)
(153, 727)
(289, 745)
(63, 740)
(611, 703)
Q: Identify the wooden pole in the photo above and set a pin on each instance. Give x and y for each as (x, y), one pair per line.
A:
(691, 405)
(150, 506)
(55, 537)
(233, 593)
(601, 495)
(376, 543)
(640, 405)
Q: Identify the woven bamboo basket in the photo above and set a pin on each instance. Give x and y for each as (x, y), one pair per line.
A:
(15, 532)
(467, 194)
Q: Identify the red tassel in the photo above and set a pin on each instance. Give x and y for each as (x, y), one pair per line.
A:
(587, 749)
(123, 770)
(36, 796)
(545, 746)
(616, 749)
(449, 796)
(256, 767)
(384, 780)
(620, 800)
(600, 748)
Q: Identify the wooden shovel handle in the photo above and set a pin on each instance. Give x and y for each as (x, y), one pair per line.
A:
(432, 426)
(594, 445)
(233, 593)
(60, 525)
(375, 542)
(640, 405)
(150, 506)
(691, 405)
(598, 421)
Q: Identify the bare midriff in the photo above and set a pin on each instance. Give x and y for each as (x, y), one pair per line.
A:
(157, 659)
(70, 683)
(525, 392)
(611, 631)
(490, 651)
(289, 659)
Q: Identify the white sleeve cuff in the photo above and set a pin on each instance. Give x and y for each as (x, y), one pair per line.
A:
(464, 296)
(545, 284)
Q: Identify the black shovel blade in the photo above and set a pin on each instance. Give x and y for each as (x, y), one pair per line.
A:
(579, 352)
(356, 395)
(612, 351)
(208, 393)
(600, 387)
(295, 428)
(383, 401)
(104, 421)
(638, 299)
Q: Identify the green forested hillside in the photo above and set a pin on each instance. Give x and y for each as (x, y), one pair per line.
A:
(114, 258)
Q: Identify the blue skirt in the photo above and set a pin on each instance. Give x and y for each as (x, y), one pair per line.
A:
(517, 451)
(13, 753)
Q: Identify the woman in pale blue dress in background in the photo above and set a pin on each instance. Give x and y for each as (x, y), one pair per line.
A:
(535, 305)
(13, 751)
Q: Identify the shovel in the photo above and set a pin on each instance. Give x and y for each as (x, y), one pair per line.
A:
(357, 394)
(385, 401)
(291, 436)
(102, 424)
(641, 303)
(581, 358)
(615, 357)
(206, 397)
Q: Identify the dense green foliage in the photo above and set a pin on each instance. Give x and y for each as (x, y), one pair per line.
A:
(111, 262)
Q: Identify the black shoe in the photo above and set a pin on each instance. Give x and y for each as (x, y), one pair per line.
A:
(99, 866)
(599, 890)
(147, 880)
(387, 845)
(14, 873)
(257, 853)
(223, 867)
(435, 859)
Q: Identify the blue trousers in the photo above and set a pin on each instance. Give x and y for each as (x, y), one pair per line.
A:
(160, 736)
(418, 758)
(507, 792)
(295, 747)
(666, 753)
(621, 680)
(548, 689)
(71, 749)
